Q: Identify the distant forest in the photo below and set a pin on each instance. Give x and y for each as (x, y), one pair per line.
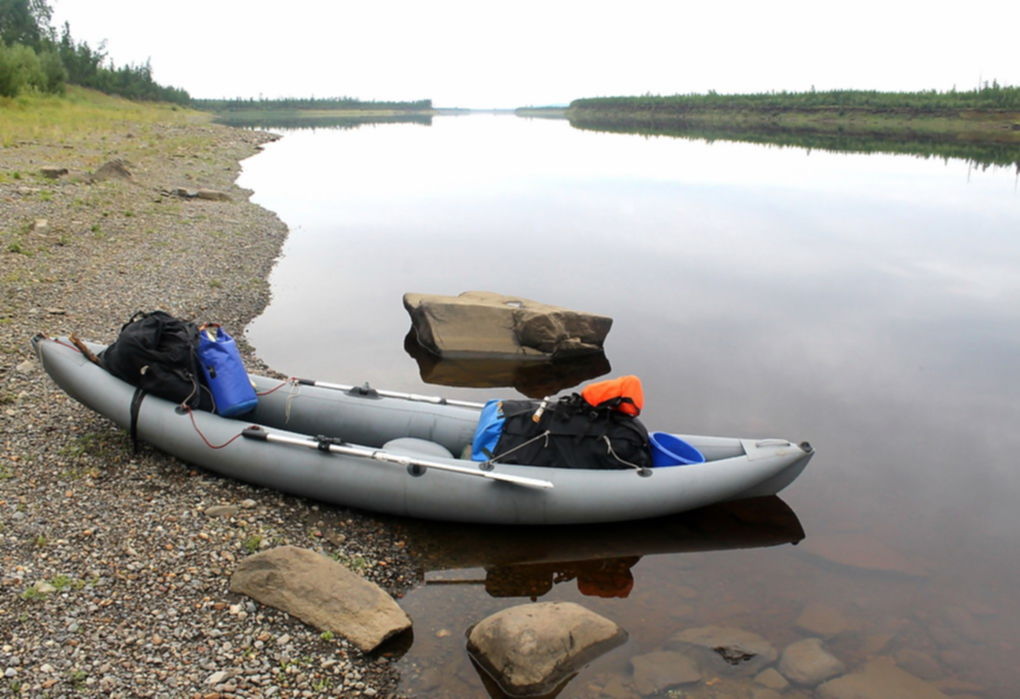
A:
(304, 103)
(981, 125)
(990, 96)
(34, 58)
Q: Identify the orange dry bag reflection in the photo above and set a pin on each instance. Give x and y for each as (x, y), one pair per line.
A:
(624, 394)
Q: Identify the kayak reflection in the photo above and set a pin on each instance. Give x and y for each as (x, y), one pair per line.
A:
(530, 561)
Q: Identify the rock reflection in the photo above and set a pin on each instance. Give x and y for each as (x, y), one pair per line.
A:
(532, 377)
(530, 561)
(599, 577)
(494, 691)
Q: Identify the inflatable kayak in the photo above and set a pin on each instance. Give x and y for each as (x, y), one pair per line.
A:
(400, 453)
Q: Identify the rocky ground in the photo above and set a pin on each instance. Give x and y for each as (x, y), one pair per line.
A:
(115, 565)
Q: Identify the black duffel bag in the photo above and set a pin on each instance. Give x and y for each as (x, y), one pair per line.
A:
(571, 433)
(156, 352)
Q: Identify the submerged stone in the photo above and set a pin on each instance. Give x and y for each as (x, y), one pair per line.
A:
(807, 662)
(723, 648)
(879, 679)
(532, 648)
(656, 672)
(862, 552)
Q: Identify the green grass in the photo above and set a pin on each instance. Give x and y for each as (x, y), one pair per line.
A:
(80, 115)
(31, 594)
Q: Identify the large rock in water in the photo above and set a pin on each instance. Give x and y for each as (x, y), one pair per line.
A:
(531, 648)
(485, 323)
(322, 593)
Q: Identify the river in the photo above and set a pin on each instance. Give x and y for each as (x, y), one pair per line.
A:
(869, 304)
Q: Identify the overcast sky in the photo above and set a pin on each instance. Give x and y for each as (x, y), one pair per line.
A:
(490, 53)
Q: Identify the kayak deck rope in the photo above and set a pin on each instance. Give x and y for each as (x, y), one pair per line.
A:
(488, 465)
(198, 431)
(274, 389)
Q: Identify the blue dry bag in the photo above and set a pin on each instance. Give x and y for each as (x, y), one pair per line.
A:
(224, 371)
(487, 434)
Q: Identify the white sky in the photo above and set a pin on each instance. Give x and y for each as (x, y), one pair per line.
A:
(479, 53)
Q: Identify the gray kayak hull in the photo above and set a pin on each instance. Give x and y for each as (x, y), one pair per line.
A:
(735, 469)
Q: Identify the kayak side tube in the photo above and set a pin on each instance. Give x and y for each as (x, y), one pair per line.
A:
(735, 468)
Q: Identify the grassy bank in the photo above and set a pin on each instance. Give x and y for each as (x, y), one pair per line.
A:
(80, 115)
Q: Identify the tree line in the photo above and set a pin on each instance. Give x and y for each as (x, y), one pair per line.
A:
(34, 58)
(989, 96)
(304, 103)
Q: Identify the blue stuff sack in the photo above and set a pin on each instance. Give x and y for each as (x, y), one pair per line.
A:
(224, 372)
(488, 432)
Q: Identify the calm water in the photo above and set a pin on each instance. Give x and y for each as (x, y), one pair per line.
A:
(868, 304)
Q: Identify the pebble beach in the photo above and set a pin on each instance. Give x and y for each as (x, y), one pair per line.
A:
(116, 565)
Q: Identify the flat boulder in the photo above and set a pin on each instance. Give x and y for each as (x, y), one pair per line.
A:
(322, 593)
(533, 648)
(477, 323)
(212, 195)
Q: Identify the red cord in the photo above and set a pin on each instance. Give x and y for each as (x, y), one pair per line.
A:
(68, 346)
(273, 389)
(194, 424)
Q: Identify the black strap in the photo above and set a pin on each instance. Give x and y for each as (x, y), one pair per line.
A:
(136, 404)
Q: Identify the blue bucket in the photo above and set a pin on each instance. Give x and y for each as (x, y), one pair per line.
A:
(670, 450)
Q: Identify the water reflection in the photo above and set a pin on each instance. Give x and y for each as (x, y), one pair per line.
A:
(294, 120)
(981, 154)
(532, 377)
(494, 691)
(528, 561)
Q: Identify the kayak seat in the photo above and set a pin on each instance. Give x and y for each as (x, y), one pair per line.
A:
(412, 446)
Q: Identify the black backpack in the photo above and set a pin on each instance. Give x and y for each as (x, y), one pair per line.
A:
(571, 433)
(156, 353)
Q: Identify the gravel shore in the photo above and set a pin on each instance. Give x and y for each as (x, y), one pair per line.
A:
(115, 566)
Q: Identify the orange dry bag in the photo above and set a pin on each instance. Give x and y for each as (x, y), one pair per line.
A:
(624, 394)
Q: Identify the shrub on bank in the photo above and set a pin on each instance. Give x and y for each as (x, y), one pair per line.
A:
(21, 68)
